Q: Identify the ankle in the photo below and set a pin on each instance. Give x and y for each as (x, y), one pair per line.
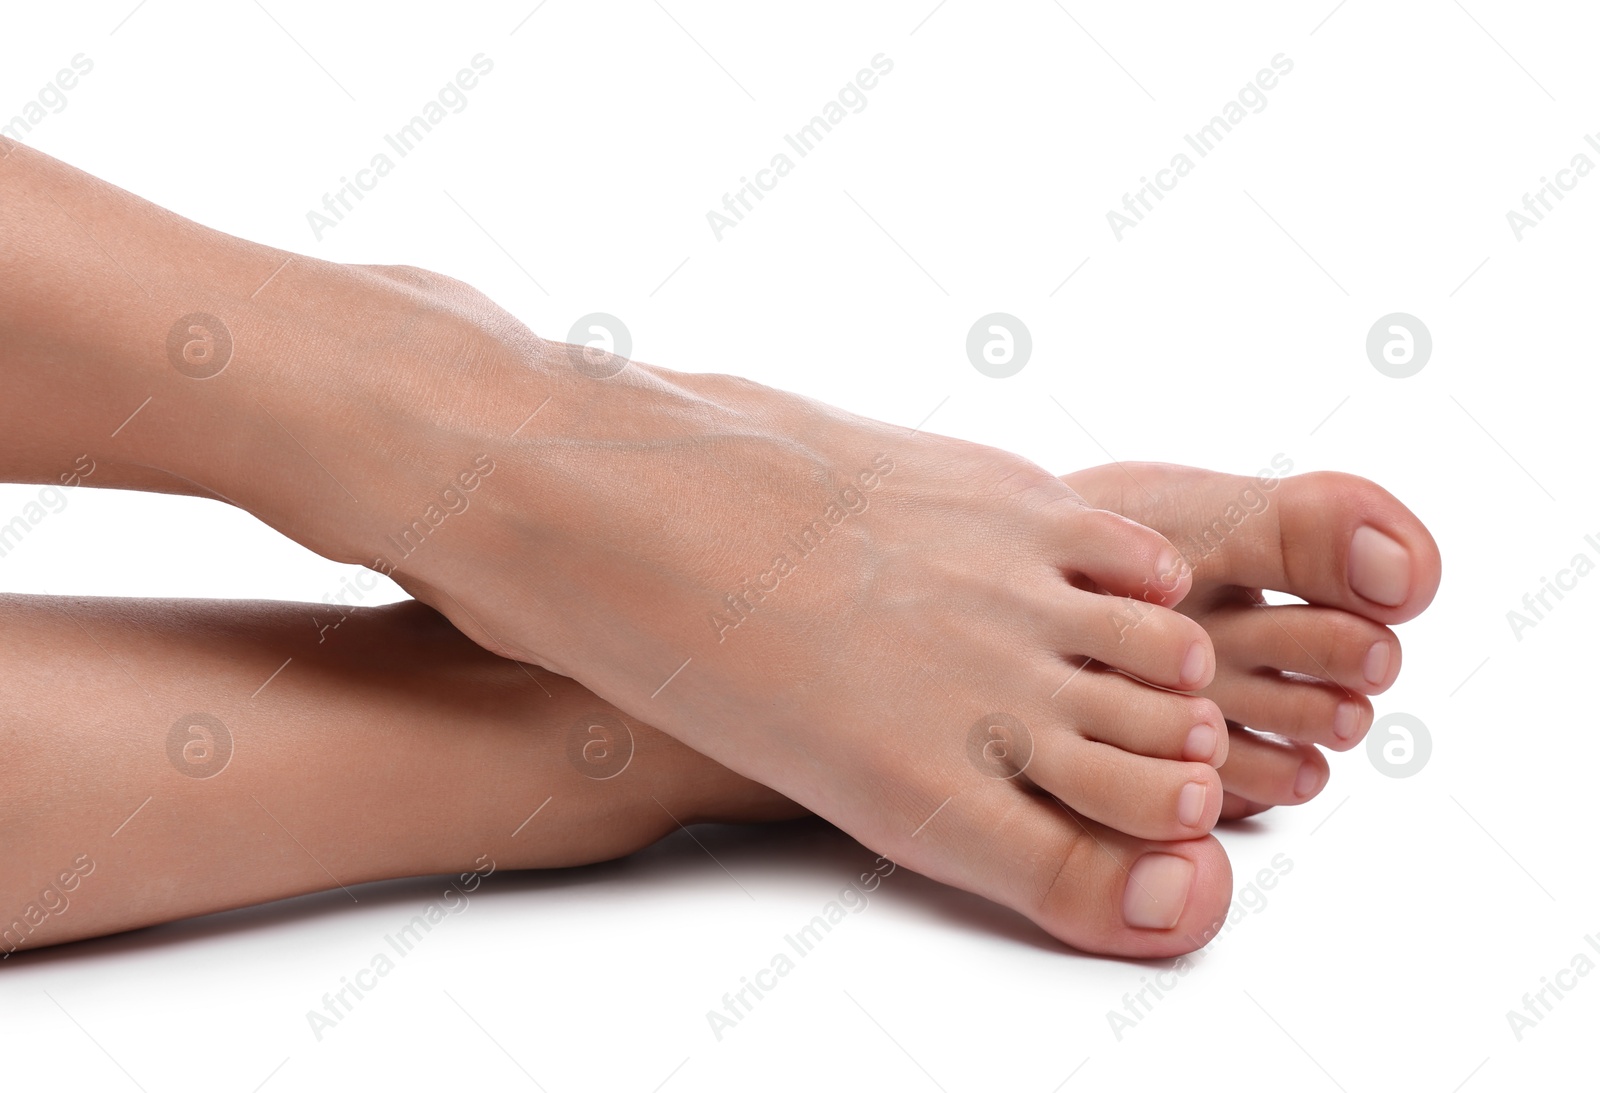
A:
(345, 417)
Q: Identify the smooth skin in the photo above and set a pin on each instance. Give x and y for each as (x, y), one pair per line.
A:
(392, 746)
(645, 533)
(1299, 676)
(610, 520)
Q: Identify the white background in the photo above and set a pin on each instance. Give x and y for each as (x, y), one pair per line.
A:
(1224, 329)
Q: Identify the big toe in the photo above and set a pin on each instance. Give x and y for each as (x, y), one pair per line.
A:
(1333, 539)
(1342, 541)
(1095, 888)
(1118, 894)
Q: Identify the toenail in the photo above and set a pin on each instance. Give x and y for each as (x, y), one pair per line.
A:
(1157, 891)
(1193, 672)
(1191, 804)
(1306, 782)
(1201, 744)
(1380, 568)
(1376, 666)
(1346, 720)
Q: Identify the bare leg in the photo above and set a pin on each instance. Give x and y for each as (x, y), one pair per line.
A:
(850, 612)
(396, 747)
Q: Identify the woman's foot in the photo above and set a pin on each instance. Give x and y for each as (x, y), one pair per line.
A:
(880, 624)
(874, 622)
(1297, 675)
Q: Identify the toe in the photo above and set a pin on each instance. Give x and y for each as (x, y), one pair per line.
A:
(1262, 771)
(1137, 898)
(1090, 885)
(1332, 539)
(1339, 541)
(1304, 710)
(1111, 553)
(1110, 708)
(1147, 798)
(1151, 643)
(1105, 891)
(1325, 643)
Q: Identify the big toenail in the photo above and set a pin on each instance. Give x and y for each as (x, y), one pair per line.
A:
(1201, 744)
(1194, 665)
(1305, 783)
(1158, 889)
(1376, 666)
(1380, 568)
(1346, 720)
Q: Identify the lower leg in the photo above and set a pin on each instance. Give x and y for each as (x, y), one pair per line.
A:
(386, 746)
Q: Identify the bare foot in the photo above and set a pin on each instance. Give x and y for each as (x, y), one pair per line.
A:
(876, 622)
(880, 624)
(1297, 675)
